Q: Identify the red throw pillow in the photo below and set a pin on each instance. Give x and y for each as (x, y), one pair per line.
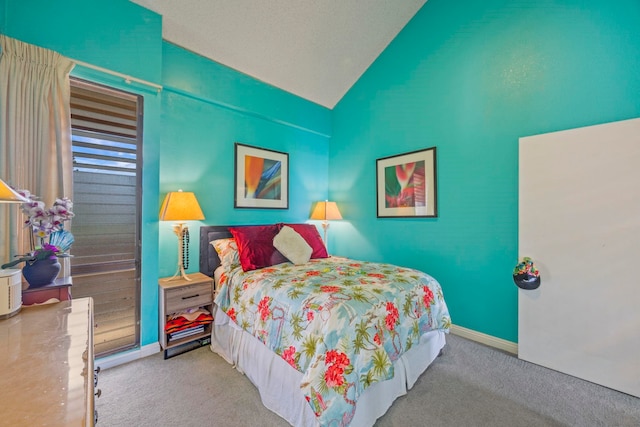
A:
(255, 246)
(310, 234)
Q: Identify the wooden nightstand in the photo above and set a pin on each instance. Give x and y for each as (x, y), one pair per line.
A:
(176, 295)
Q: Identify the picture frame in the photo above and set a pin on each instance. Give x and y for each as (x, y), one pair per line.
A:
(406, 185)
(261, 178)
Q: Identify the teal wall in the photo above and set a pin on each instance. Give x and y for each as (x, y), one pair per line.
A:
(471, 78)
(117, 35)
(206, 108)
(190, 127)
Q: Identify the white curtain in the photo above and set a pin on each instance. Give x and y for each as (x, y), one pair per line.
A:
(35, 133)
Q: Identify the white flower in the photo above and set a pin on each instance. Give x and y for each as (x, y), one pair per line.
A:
(44, 221)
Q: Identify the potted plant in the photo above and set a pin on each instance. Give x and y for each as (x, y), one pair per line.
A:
(526, 275)
(47, 226)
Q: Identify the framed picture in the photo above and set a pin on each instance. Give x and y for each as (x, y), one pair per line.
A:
(261, 178)
(406, 185)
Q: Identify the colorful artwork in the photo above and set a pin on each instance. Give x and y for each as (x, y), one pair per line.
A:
(261, 178)
(404, 185)
(407, 184)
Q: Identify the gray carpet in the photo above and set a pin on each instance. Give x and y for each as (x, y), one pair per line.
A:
(469, 385)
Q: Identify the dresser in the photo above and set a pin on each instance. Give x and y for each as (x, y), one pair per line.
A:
(46, 365)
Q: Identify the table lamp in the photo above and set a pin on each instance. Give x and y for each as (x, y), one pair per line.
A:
(9, 195)
(181, 206)
(326, 211)
(10, 280)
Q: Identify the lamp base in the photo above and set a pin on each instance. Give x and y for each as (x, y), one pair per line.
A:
(325, 227)
(180, 274)
(180, 230)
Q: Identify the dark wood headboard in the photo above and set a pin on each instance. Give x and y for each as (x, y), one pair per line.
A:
(209, 260)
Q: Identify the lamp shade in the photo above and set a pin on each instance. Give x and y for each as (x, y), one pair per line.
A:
(9, 195)
(326, 211)
(180, 206)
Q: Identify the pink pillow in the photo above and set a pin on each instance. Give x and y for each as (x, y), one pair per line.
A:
(255, 245)
(310, 234)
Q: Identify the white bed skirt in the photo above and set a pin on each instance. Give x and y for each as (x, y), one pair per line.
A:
(279, 384)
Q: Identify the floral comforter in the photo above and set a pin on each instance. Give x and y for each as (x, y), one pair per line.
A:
(340, 322)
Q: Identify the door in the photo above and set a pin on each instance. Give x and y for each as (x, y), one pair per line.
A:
(107, 138)
(579, 220)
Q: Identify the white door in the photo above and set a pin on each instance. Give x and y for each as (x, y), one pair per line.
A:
(579, 220)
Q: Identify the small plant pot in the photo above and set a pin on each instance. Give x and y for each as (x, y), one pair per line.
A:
(526, 281)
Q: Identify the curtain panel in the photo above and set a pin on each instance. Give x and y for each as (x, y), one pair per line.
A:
(35, 133)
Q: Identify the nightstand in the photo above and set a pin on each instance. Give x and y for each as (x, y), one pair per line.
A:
(176, 295)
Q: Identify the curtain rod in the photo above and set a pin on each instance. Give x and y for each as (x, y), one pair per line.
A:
(127, 79)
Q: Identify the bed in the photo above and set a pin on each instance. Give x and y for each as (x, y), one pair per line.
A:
(276, 333)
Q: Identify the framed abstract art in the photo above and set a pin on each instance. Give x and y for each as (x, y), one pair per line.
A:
(261, 178)
(406, 185)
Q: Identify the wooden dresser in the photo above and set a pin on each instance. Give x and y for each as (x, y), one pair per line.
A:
(46, 365)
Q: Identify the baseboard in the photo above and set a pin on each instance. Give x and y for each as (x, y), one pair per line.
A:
(127, 356)
(485, 339)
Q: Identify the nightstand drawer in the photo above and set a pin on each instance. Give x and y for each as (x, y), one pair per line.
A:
(188, 296)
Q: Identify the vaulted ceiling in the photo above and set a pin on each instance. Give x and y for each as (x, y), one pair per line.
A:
(316, 49)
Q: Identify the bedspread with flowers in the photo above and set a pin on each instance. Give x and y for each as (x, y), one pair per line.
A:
(341, 323)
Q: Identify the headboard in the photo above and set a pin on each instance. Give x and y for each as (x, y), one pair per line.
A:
(209, 260)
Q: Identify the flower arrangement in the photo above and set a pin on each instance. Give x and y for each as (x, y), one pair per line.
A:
(526, 268)
(45, 221)
(45, 224)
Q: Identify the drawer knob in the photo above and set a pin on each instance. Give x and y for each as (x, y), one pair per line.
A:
(191, 296)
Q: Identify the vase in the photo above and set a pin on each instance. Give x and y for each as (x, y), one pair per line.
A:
(526, 281)
(42, 272)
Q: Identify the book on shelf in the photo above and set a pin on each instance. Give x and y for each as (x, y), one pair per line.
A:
(186, 332)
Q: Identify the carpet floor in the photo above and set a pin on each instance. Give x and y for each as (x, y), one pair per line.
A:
(469, 385)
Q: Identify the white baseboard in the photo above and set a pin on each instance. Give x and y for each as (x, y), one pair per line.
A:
(485, 339)
(127, 356)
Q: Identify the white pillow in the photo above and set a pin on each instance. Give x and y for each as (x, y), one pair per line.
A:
(227, 250)
(292, 245)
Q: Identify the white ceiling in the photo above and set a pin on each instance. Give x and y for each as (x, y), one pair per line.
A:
(316, 49)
